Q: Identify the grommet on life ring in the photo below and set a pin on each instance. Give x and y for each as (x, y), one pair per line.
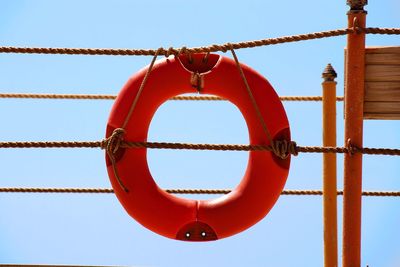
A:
(187, 219)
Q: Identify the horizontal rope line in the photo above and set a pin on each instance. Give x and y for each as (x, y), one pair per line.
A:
(210, 48)
(375, 30)
(218, 147)
(171, 51)
(112, 97)
(62, 144)
(53, 265)
(180, 191)
(59, 96)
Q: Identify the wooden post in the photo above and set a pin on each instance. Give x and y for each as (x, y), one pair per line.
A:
(353, 134)
(329, 167)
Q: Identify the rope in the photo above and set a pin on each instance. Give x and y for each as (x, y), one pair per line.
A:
(183, 191)
(180, 98)
(390, 31)
(61, 144)
(53, 265)
(208, 49)
(142, 85)
(230, 147)
(111, 148)
(171, 50)
(219, 147)
(281, 148)
(253, 102)
(112, 143)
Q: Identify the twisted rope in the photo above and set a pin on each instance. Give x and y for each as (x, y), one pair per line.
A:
(53, 265)
(179, 98)
(389, 31)
(51, 144)
(183, 191)
(219, 147)
(59, 96)
(171, 50)
(113, 142)
(281, 148)
(111, 147)
(230, 147)
(208, 49)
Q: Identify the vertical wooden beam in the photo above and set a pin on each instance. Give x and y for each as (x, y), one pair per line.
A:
(329, 167)
(353, 134)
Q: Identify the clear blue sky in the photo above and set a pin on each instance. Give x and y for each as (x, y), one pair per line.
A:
(94, 229)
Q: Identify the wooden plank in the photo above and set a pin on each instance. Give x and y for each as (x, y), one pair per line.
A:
(382, 107)
(381, 116)
(382, 59)
(382, 91)
(382, 82)
(382, 50)
(382, 73)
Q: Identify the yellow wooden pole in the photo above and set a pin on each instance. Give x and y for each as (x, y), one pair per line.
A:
(329, 167)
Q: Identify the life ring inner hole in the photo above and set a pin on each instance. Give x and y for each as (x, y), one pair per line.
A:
(217, 122)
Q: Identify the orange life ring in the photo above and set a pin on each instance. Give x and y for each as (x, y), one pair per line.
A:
(199, 220)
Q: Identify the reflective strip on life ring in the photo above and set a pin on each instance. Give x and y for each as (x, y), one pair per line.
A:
(199, 220)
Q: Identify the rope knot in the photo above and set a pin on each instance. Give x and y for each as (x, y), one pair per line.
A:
(111, 145)
(170, 51)
(181, 51)
(197, 81)
(226, 47)
(350, 148)
(355, 28)
(283, 148)
(185, 51)
(113, 142)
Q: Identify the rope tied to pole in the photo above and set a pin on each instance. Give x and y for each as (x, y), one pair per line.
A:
(351, 149)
